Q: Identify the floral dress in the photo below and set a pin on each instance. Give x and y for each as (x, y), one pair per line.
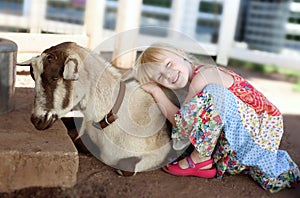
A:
(241, 129)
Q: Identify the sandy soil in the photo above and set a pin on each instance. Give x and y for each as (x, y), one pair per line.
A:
(96, 179)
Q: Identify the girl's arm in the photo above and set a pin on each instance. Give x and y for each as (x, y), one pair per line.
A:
(198, 83)
(165, 105)
(208, 75)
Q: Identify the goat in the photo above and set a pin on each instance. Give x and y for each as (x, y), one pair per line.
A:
(68, 75)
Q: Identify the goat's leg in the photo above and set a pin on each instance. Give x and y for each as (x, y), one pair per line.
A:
(128, 166)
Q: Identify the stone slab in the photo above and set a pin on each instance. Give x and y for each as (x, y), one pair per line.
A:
(32, 158)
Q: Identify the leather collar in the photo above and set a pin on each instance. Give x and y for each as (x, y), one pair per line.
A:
(112, 115)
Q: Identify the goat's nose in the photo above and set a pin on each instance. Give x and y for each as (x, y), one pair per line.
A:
(35, 120)
(43, 122)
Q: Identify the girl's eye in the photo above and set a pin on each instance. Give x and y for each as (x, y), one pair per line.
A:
(169, 64)
(159, 78)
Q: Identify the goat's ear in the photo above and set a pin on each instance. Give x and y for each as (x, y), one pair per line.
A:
(25, 63)
(28, 62)
(71, 68)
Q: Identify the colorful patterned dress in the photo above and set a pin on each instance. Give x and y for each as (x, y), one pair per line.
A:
(241, 129)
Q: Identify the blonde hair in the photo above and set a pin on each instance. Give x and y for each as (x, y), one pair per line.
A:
(153, 57)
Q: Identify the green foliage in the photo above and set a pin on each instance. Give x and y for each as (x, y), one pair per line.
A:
(265, 69)
(59, 4)
(210, 7)
(289, 74)
(12, 1)
(292, 37)
(296, 87)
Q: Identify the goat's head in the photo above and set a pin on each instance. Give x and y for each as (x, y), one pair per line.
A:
(54, 72)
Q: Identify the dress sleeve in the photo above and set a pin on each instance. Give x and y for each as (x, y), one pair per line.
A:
(199, 121)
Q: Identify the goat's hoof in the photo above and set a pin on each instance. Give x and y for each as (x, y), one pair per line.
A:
(126, 173)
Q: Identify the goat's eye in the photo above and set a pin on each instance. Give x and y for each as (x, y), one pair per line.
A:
(50, 57)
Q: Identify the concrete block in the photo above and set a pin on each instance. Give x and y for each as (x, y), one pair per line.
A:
(32, 158)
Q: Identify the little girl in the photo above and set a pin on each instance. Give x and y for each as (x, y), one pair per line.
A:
(229, 123)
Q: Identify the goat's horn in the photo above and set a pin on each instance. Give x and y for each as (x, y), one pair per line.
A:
(25, 63)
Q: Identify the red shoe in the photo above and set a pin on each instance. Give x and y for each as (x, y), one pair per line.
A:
(193, 170)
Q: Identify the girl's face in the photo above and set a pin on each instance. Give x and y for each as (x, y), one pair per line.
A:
(173, 73)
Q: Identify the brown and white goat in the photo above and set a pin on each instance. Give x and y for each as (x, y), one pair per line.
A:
(68, 75)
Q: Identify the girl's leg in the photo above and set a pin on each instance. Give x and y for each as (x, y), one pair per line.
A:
(193, 165)
(286, 180)
(196, 158)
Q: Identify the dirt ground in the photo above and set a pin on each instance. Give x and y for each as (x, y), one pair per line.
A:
(96, 179)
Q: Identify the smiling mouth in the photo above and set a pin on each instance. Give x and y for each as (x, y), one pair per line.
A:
(176, 78)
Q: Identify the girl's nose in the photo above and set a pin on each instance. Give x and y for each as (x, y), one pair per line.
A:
(169, 75)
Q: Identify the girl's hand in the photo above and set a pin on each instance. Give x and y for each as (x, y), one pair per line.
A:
(163, 102)
(150, 87)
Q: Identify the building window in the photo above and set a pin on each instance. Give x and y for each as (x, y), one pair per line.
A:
(159, 3)
(210, 7)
